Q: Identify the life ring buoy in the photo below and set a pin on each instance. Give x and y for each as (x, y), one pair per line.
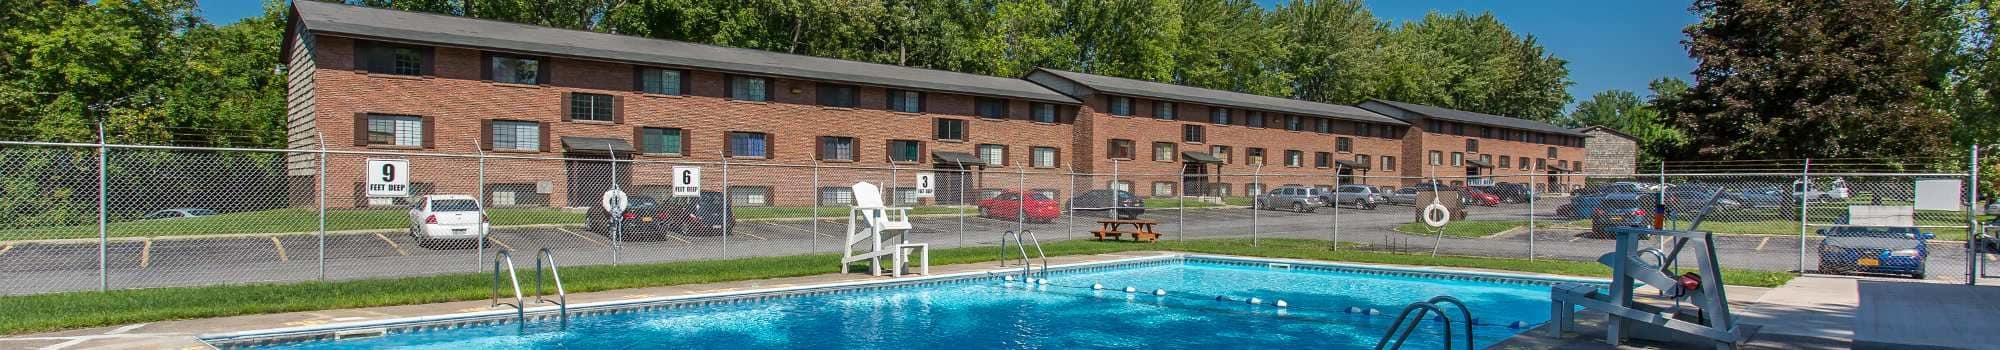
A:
(1436, 215)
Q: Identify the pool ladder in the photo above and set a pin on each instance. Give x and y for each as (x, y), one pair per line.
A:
(1422, 308)
(1027, 266)
(520, 310)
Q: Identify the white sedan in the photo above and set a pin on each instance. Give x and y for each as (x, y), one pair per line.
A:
(447, 217)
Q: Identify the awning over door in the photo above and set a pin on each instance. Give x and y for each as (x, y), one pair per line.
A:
(1479, 164)
(1557, 169)
(1349, 164)
(961, 159)
(1200, 157)
(595, 145)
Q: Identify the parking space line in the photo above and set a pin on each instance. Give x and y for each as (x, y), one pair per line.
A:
(392, 244)
(5, 249)
(1573, 239)
(146, 253)
(753, 236)
(587, 238)
(497, 241)
(799, 229)
(678, 238)
(1760, 244)
(281, 249)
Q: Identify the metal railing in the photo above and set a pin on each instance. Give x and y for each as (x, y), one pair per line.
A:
(555, 272)
(519, 304)
(1027, 266)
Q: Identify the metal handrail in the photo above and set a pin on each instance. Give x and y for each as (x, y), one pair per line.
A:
(562, 297)
(502, 256)
(1421, 308)
(1020, 244)
(1466, 311)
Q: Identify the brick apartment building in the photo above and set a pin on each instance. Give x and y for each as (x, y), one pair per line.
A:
(1484, 148)
(364, 79)
(1207, 139)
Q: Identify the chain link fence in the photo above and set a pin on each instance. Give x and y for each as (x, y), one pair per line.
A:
(152, 216)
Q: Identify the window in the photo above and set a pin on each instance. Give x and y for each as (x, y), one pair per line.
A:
(388, 58)
(591, 107)
(1322, 159)
(1457, 158)
(663, 81)
(1192, 133)
(515, 69)
(836, 195)
(517, 135)
(1458, 129)
(950, 129)
(906, 101)
(1119, 149)
(1552, 152)
(1504, 163)
(1293, 123)
(836, 148)
(1253, 189)
(1486, 158)
(1222, 152)
(1343, 144)
(1218, 189)
(749, 144)
(1163, 110)
(1163, 151)
(905, 151)
(1541, 164)
(1486, 132)
(1122, 186)
(1437, 158)
(1295, 158)
(1388, 163)
(669, 141)
(994, 155)
(835, 95)
(1118, 105)
(1361, 159)
(1163, 189)
(1042, 157)
(1471, 145)
(1433, 125)
(1364, 129)
(1322, 125)
(903, 196)
(396, 130)
(1254, 156)
(1255, 119)
(991, 108)
(1218, 115)
(1044, 112)
(751, 196)
(1524, 162)
(743, 88)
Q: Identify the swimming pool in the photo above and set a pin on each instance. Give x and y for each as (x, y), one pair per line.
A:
(1204, 307)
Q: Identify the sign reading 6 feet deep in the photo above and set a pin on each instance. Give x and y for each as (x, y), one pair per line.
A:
(687, 181)
(388, 177)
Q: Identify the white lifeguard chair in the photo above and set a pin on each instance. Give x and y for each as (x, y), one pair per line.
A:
(883, 232)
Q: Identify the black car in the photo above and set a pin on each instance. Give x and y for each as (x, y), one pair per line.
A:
(1126, 204)
(705, 216)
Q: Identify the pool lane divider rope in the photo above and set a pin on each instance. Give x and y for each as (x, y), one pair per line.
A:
(1282, 306)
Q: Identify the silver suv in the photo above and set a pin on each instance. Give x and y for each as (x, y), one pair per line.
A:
(1297, 198)
(1359, 196)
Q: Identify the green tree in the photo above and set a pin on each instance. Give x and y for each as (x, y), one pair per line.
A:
(1623, 111)
(1483, 67)
(1782, 79)
(1331, 48)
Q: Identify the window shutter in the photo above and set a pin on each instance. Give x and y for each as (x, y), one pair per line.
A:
(687, 86)
(687, 139)
(617, 109)
(639, 139)
(819, 152)
(728, 147)
(565, 107)
(770, 90)
(923, 103)
(770, 146)
(890, 147)
(361, 129)
(1066, 114)
(639, 78)
(361, 50)
(729, 87)
(542, 66)
(486, 134)
(1057, 155)
(854, 149)
(430, 62)
(430, 132)
(923, 150)
(544, 141)
(486, 66)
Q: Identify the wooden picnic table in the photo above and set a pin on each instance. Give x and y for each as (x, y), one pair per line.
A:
(1141, 229)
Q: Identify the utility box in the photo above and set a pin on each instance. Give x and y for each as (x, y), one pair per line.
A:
(1448, 198)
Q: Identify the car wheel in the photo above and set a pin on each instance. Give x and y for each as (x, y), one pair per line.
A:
(985, 213)
(1301, 207)
(1368, 206)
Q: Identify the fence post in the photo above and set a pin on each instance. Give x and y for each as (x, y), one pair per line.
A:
(1972, 228)
(1335, 199)
(1180, 215)
(1255, 178)
(960, 202)
(815, 210)
(479, 248)
(320, 138)
(1071, 204)
(103, 240)
(1805, 182)
(1021, 198)
(728, 207)
(1532, 194)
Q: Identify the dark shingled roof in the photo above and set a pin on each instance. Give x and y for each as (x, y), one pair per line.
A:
(423, 28)
(1442, 113)
(1142, 88)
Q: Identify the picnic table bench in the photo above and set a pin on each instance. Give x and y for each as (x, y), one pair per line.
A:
(1141, 230)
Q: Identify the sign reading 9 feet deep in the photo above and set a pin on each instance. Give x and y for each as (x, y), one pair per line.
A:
(687, 181)
(388, 177)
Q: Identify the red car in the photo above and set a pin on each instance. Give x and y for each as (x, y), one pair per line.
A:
(1009, 206)
(1477, 197)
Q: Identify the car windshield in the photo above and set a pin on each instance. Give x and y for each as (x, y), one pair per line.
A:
(1872, 232)
(454, 205)
(201, 212)
(638, 202)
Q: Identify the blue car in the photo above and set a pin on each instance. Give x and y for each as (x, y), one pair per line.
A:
(1874, 249)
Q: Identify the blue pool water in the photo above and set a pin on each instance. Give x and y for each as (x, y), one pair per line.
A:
(988, 313)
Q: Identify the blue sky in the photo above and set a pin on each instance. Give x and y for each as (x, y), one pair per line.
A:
(1609, 44)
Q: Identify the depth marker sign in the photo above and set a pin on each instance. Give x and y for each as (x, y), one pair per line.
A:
(926, 184)
(388, 177)
(687, 181)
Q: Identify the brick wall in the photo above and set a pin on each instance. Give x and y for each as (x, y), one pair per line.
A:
(1144, 130)
(1610, 153)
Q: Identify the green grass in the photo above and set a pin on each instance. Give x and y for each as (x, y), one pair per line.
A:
(49, 312)
(1471, 228)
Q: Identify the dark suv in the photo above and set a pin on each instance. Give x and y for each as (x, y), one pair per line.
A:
(1509, 192)
(1126, 204)
(644, 214)
(1621, 209)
